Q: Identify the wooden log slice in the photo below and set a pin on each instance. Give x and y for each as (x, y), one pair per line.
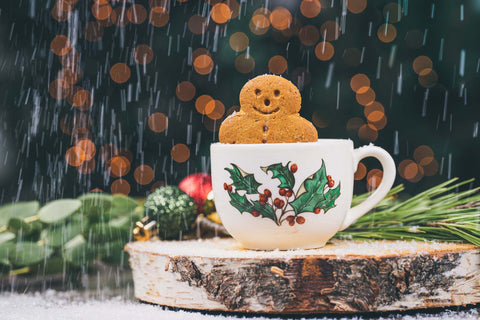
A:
(345, 276)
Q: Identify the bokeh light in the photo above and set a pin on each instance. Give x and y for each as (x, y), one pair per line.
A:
(392, 12)
(365, 96)
(159, 17)
(387, 33)
(82, 100)
(87, 167)
(121, 14)
(61, 11)
(60, 45)
(75, 156)
(203, 64)
(118, 166)
(374, 178)
(277, 64)
(361, 172)
(202, 104)
(93, 31)
(101, 11)
(137, 14)
(239, 41)
(330, 30)
(280, 18)
(355, 123)
(356, 6)
(143, 54)
(360, 82)
(88, 148)
(158, 122)
(59, 89)
(368, 133)
(324, 51)
(180, 152)
(120, 72)
(197, 24)
(220, 13)
(244, 63)
(421, 63)
(218, 109)
(120, 186)
(143, 174)
(185, 91)
(423, 155)
(319, 121)
(310, 8)
(308, 35)
(428, 78)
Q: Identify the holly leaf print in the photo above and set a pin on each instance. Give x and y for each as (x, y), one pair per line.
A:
(242, 180)
(265, 211)
(239, 202)
(311, 193)
(330, 198)
(282, 173)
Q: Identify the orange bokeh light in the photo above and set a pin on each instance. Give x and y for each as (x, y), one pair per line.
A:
(159, 17)
(60, 45)
(308, 35)
(137, 14)
(197, 24)
(387, 33)
(120, 72)
(75, 156)
(118, 166)
(220, 13)
(218, 109)
(310, 8)
(324, 51)
(361, 172)
(202, 104)
(239, 41)
(180, 153)
(120, 186)
(374, 178)
(277, 64)
(61, 11)
(203, 64)
(158, 122)
(244, 63)
(356, 6)
(59, 89)
(101, 11)
(360, 81)
(423, 155)
(330, 30)
(365, 97)
(280, 18)
(143, 174)
(368, 133)
(143, 54)
(185, 91)
(88, 148)
(420, 63)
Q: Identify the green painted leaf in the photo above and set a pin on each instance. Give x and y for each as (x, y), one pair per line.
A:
(265, 211)
(311, 193)
(27, 253)
(239, 202)
(19, 210)
(282, 173)
(59, 210)
(6, 236)
(242, 180)
(330, 198)
(59, 234)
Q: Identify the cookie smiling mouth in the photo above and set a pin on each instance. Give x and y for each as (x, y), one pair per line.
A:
(266, 112)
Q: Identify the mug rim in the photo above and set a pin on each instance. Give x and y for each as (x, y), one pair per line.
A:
(319, 142)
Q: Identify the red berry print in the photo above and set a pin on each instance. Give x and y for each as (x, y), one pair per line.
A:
(255, 213)
(262, 202)
(267, 192)
(282, 191)
(290, 218)
(317, 210)
(277, 202)
(329, 177)
(291, 223)
(225, 186)
(262, 197)
(293, 168)
(300, 220)
(281, 203)
(289, 193)
(229, 187)
(331, 183)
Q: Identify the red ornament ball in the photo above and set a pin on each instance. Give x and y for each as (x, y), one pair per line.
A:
(197, 186)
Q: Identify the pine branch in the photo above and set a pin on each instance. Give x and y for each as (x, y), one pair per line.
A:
(441, 213)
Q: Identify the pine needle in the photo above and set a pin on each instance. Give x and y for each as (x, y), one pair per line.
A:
(441, 213)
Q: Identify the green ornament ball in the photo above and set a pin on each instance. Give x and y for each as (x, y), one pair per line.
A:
(174, 210)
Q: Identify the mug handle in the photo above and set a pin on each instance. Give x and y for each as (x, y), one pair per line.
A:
(388, 166)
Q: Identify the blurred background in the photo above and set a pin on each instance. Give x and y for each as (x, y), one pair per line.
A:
(125, 96)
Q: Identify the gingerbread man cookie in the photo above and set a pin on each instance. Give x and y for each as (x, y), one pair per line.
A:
(268, 113)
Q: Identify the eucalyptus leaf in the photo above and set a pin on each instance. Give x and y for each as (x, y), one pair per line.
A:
(113, 252)
(76, 253)
(27, 253)
(127, 203)
(105, 232)
(18, 210)
(6, 236)
(95, 203)
(58, 235)
(18, 225)
(59, 210)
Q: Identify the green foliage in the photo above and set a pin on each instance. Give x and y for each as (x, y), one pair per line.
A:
(173, 209)
(311, 194)
(67, 234)
(19, 210)
(441, 213)
(282, 173)
(242, 180)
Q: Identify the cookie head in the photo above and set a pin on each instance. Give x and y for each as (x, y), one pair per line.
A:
(269, 95)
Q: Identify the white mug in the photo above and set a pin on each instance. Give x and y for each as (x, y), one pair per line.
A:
(291, 195)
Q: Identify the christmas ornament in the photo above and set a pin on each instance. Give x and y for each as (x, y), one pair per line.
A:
(198, 186)
(173, 210)
(208, 207)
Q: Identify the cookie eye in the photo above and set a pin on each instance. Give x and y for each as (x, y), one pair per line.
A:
(258, 91)
(276, 93)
